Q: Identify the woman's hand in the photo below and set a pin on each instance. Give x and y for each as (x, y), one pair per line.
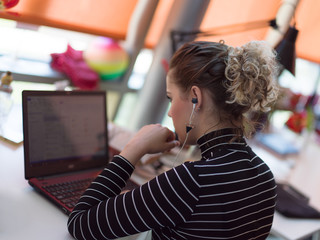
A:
(149, 139)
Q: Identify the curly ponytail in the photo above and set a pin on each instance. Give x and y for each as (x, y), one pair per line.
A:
(251, 71)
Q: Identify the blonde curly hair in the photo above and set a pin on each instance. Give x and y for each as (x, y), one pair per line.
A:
(240, 80)
(251, 71)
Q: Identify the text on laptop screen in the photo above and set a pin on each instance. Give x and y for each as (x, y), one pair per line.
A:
(65, 127)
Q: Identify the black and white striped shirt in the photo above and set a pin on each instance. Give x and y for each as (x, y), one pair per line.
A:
(228, 194)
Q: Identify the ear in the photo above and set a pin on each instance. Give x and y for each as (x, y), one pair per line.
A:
(196, 92)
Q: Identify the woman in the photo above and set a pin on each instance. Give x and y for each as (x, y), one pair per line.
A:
(230, 192)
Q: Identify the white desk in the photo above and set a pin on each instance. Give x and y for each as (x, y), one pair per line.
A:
(24, 214)
(302, 172)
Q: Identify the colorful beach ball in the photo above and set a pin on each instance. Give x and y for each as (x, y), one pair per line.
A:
(107, 58)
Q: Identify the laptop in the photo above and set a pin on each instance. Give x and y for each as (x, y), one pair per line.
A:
(65, 142)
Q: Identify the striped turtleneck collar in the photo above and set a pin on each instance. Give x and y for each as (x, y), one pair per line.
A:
(211, 142)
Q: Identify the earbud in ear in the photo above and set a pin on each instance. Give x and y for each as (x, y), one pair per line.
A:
(190, 126)
(194, 100)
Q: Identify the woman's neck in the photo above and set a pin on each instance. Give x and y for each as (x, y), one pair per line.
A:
(209, 122)
(214, 127)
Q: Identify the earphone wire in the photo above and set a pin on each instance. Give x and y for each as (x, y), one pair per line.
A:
(178, 154)
(185, 140)
(192, 113)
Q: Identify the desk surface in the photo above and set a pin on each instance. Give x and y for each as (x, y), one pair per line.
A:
(27, 215)
(302, 172)
(24, 213)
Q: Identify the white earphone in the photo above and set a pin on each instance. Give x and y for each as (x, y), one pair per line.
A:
(189, 127)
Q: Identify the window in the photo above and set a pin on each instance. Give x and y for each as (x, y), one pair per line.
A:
(25, 50)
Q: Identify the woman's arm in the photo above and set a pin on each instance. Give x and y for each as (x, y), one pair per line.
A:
(103, 194)
(165, 201)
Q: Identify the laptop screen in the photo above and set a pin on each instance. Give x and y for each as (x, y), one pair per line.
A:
(64, 131)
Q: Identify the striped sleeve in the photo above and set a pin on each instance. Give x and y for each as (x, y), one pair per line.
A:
(167, 200)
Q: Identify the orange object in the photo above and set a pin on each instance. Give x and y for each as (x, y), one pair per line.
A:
(297, 122)
(110, 18)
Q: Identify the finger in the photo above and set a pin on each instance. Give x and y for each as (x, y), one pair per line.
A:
(171, 136)
(172, 144)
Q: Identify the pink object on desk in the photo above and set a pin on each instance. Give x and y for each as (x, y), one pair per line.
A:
(72, 63)
(5, 4)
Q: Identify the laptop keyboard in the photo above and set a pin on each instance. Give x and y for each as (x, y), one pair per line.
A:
(69, 192)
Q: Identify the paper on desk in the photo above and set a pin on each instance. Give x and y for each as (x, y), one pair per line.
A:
(278, 143)
(12, 130)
